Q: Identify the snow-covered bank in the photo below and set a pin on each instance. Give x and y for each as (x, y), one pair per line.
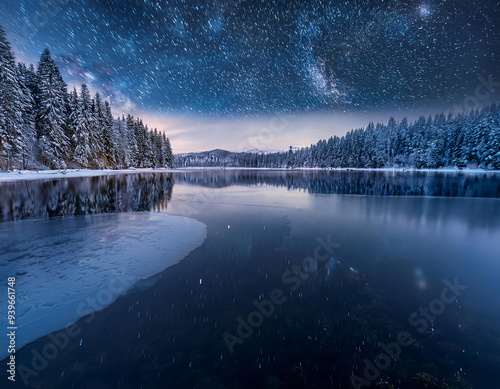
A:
(20, 175)
(68, 268)
(340, 169)
(48, 174)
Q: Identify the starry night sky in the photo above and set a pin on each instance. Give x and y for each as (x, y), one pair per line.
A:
(211, 73)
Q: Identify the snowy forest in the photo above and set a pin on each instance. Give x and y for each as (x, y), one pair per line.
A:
(42, 125)
(463, 140)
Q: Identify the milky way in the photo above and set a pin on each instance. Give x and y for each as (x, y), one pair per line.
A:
(244, 57)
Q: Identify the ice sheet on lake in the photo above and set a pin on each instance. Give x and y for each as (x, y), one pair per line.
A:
(67, 268)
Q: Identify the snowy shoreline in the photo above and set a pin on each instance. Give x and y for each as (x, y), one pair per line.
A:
(343, 169)
(18, 175)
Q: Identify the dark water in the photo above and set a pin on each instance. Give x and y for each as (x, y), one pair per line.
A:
(397, 243)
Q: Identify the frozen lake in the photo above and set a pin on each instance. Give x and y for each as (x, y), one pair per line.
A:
(399, 254)
(68, 268)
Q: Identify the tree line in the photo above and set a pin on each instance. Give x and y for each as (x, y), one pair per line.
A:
(462, 140)
(363, 182)
(88, 195)
(42, 124)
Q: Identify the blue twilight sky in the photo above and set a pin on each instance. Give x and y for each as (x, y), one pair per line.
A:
(242, 74)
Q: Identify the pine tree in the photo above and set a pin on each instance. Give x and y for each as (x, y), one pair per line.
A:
(493, 144)
(107, 135)
(31, 79)
(140, 135)
(72, 120)
(11, 120)
(147, 148)
(168, 155)
(51, 116)
(132, 154)
(120, 142)
(96, 133)
(40, 120)
(156, 148)
(28, 116)
(81, 139)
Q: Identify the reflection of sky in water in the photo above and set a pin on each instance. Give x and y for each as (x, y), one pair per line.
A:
(401, 247)
(390, 257)
(436, 237)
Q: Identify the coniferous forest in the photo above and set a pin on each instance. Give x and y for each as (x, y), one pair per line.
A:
(42, 124)
(463, 140)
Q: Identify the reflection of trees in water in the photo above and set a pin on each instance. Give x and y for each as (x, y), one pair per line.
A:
(80, 196)
(379, 183)
(149, 191)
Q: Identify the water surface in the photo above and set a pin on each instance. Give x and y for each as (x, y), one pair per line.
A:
(397, 238)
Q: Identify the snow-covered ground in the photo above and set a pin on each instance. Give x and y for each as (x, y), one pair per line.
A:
(341, 169)
(68, 268)
(268, 151)
(48, 174)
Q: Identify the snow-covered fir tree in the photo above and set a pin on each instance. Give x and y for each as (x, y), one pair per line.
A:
(96, 133)
(132, 151)
(41, 124)
(11, 110)
(168, 155)
(72, 121)
(51, 113)
(120, 142)
(464, 139)
(81, 138)
(28, 140)
(109, 149)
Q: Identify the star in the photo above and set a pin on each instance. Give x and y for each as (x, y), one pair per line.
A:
(424, 10)
(248, 57)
